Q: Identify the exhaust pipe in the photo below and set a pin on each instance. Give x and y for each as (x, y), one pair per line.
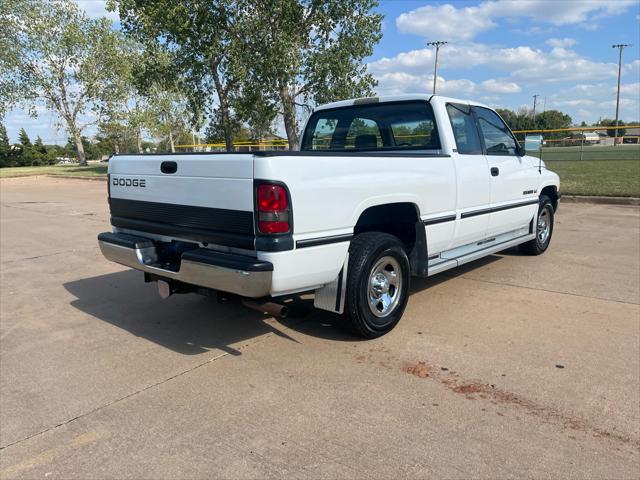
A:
(271, 308)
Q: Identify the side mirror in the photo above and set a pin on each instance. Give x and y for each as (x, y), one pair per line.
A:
(521, 151)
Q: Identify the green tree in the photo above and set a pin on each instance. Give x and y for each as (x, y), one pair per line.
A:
(200, 46)
(608, 122)
(54, 54)
(552, 119)
(24, 139)
(25, 149)
(5, 147)
(38, 146)
(169, 111)
(304, 52)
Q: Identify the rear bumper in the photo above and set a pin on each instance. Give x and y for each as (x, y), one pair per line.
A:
(226, 272)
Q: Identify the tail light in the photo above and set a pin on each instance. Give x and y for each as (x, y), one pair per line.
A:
(273, 209)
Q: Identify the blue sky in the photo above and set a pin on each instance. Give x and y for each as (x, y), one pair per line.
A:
(501, 52)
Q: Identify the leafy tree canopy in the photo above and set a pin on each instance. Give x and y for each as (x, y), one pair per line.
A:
(52, 53)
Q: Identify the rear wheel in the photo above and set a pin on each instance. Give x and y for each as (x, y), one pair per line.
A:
(377, 284)
(543, 229)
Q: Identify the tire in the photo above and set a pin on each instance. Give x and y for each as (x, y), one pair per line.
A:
(543, 229)
(371, 254)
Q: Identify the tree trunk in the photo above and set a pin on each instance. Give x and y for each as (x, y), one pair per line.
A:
(117, 148)
(139, 140)
(82, 160)
(289, 116)
(171, 143)
(225, 110)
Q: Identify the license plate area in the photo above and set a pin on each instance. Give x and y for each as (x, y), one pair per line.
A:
(167, 255)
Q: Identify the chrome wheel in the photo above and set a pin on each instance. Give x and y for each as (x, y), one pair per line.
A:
(544, 225)
(385, 286)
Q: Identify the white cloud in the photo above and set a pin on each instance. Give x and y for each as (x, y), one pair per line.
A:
(444, 22)
(497, 86)
(448, 22)
(97, 9)
(396, 83)
(523, 64)
(631, 89)
(592, 101)
(561, 42)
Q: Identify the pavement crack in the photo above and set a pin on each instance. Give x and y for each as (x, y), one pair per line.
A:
(83, 215)
(50, 255)
(542, 289)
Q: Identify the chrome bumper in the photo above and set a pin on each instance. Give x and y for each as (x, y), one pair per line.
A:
(225, 272)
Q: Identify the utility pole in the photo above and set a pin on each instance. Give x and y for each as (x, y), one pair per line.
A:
(620, 47)
(535, 101)
(437, 44)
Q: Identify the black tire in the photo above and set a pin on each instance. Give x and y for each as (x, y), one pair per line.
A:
(538, 246)
(368, 250)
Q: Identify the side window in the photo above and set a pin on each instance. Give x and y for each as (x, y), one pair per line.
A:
(323, 133)
(363, 133)
(464, 129)
(497, 137)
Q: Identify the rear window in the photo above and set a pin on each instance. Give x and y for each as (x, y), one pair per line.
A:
(380, 126)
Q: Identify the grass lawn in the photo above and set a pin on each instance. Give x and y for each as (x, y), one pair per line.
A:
(590, 152)
(610, 178)
(91, 170)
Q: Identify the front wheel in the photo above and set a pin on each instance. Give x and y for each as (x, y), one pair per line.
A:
(543, 229)
(377, 284)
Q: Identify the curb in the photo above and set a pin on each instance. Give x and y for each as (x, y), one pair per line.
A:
(600, 200)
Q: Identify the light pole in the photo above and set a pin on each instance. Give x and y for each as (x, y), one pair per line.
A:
(620, 47)
(435, 66)
(535, 102)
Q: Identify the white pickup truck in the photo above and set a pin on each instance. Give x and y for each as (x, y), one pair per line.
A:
(381, 190)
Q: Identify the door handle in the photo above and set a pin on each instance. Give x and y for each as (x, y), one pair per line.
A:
(495, 171)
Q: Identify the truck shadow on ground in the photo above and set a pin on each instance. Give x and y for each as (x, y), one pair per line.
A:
(191, 324)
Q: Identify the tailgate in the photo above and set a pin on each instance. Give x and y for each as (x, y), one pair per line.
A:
(202, 197)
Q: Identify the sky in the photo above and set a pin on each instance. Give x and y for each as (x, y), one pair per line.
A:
(500, 52)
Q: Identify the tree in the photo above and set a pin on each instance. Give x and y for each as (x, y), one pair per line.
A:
(38, 146)
(552, 120)
(200, 51)
(24, 139)
(523, 119)
(56, 55)
(169, 111)
(304, 52)
(608, 122)
(5, 147)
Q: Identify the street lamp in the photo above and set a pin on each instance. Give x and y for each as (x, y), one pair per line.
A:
(620, 47)
(437, 44)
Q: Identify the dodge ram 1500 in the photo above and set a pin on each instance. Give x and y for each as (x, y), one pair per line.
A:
(382, 189)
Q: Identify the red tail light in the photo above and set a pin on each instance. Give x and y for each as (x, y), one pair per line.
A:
(273, 208)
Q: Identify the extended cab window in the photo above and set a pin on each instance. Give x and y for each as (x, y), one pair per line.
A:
(380, 126)
(498, 140)
(363, 133)
(465, 130)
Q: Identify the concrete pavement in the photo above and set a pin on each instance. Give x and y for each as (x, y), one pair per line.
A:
(511, 367)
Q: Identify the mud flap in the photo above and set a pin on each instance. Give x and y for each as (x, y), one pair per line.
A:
(331, 296)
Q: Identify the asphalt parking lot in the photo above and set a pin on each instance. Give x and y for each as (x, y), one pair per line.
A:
(512, 367)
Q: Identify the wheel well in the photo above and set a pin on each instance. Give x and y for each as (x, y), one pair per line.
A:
(402, 221)
(551, 192)
(398, 219)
